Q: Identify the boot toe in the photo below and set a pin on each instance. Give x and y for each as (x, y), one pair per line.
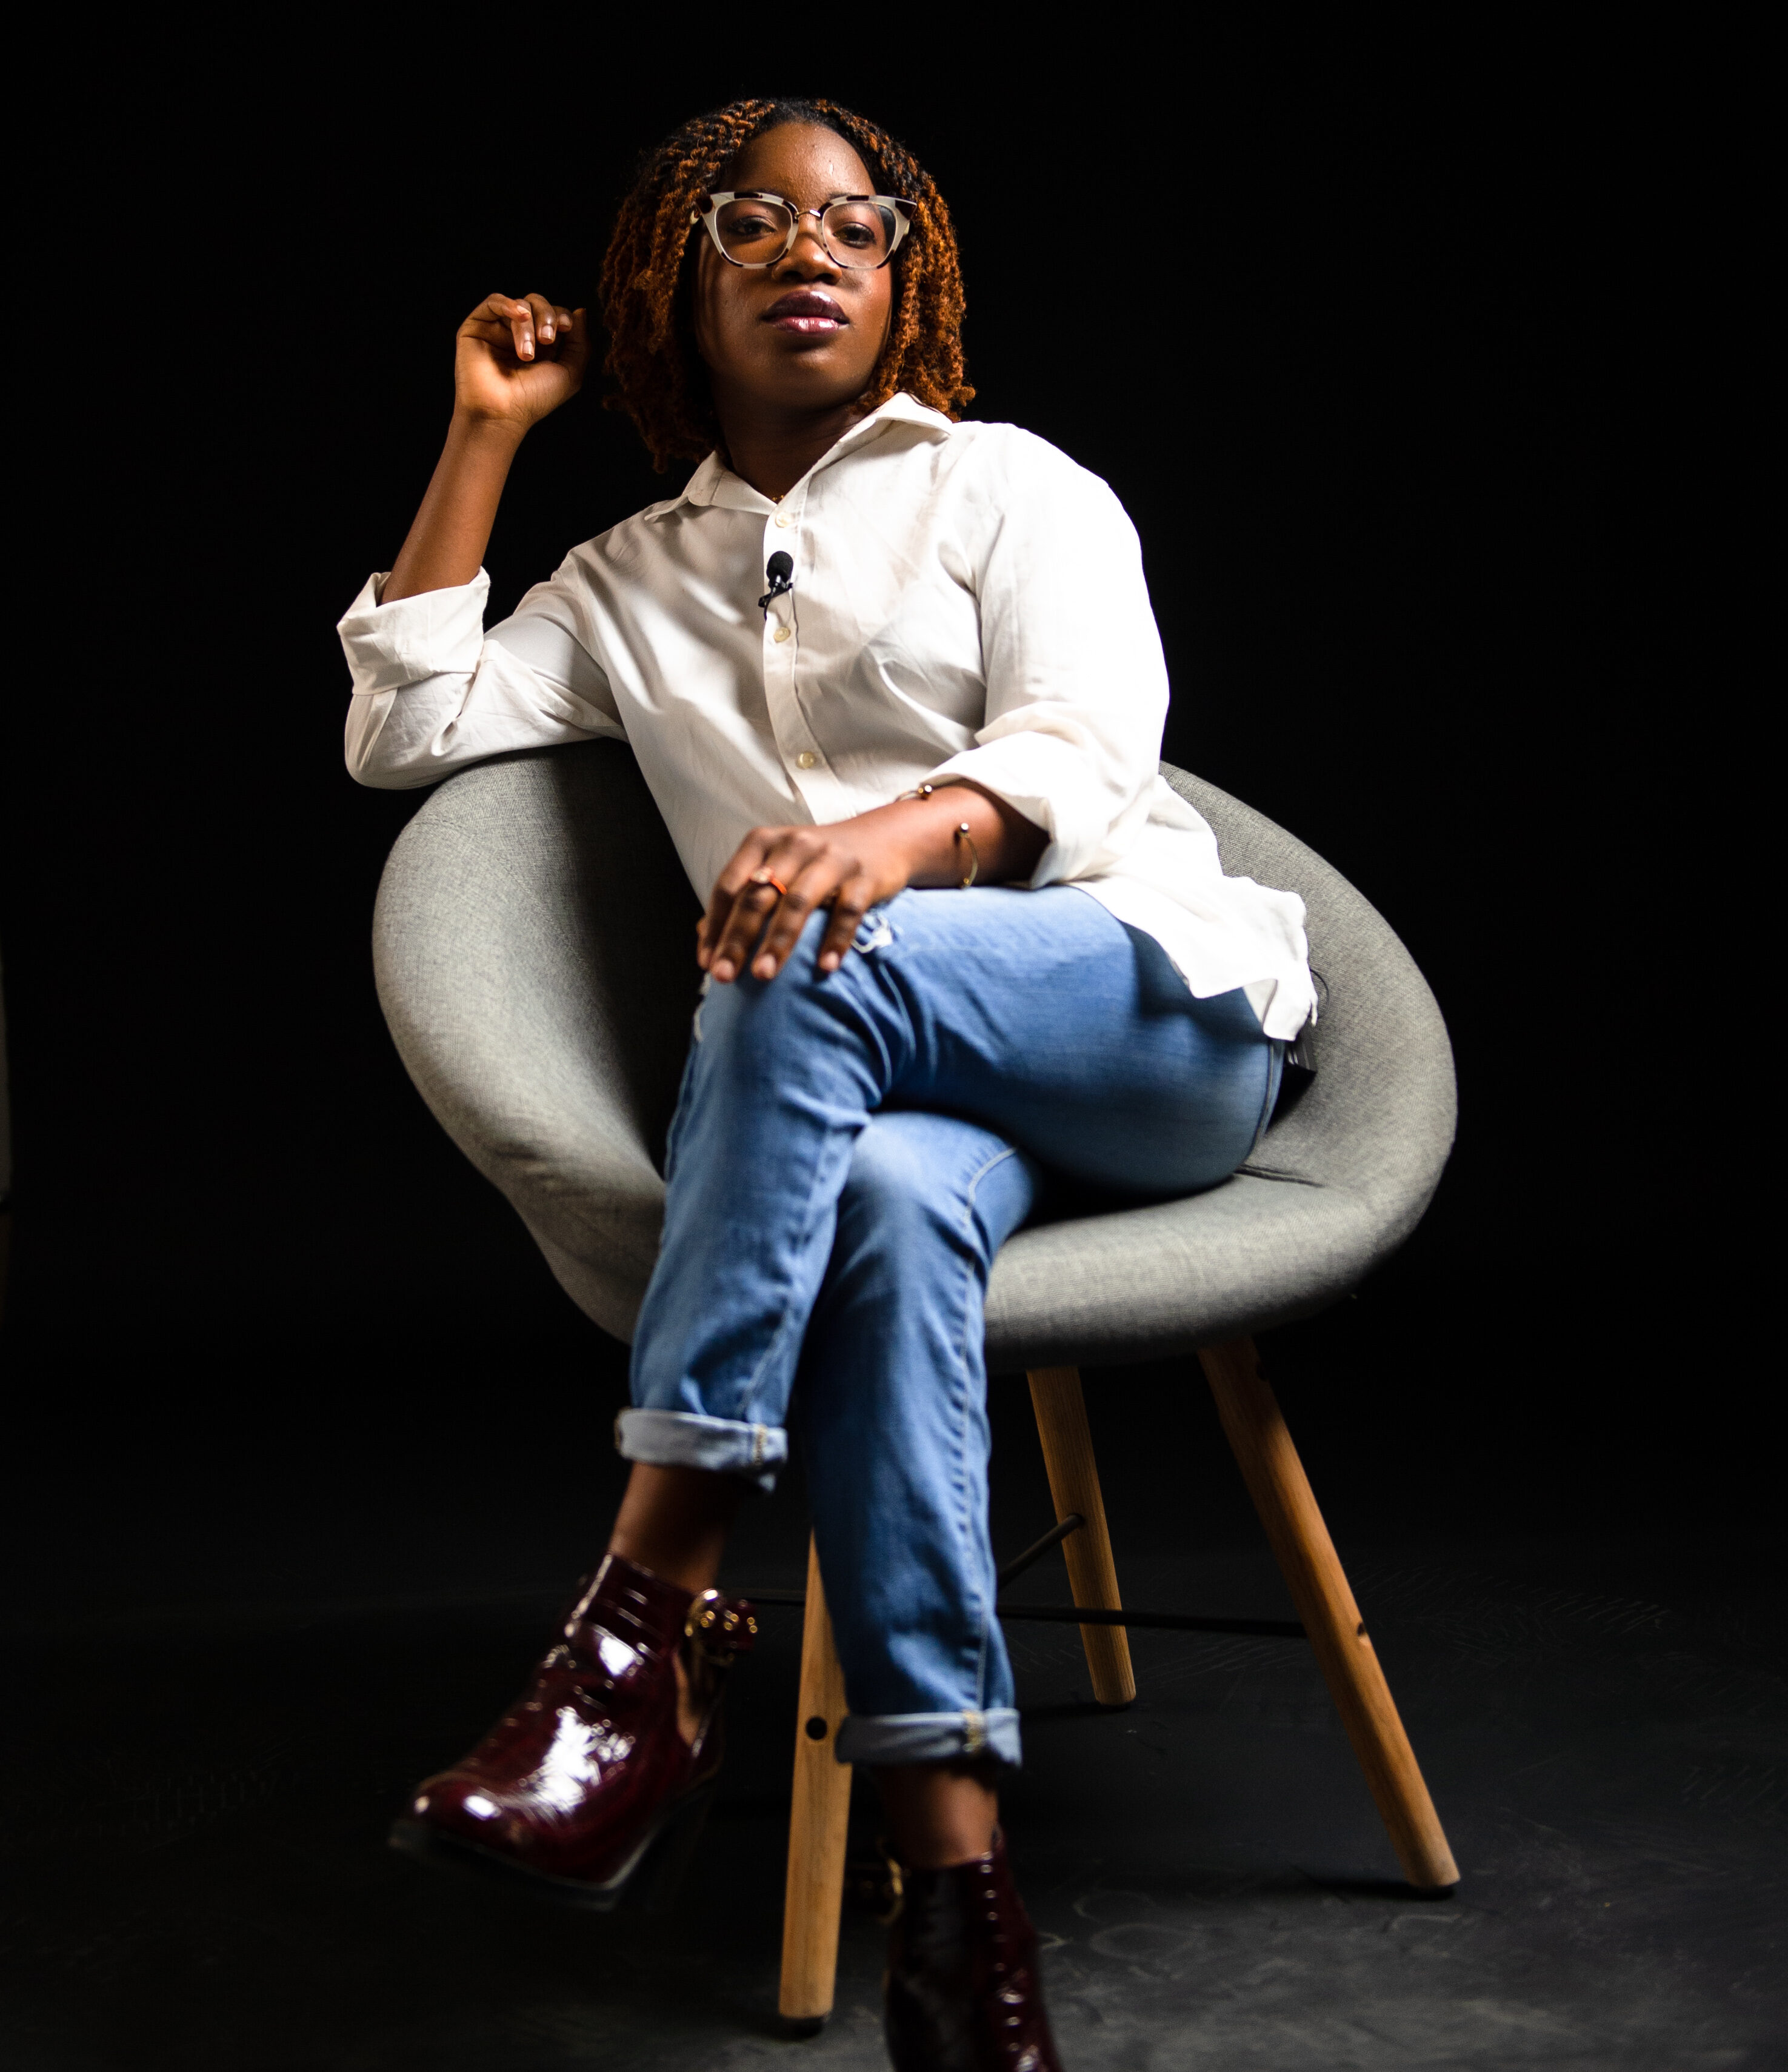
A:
(466, 1808)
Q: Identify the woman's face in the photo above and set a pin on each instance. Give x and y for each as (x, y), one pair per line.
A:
(805, 334)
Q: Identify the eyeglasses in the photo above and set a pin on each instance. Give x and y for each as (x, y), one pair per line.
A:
(755, 229)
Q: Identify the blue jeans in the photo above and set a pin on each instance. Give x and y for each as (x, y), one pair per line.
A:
(849, 1154)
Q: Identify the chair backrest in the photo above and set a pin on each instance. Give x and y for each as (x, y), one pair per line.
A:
(1337, 1184)
(532, 946)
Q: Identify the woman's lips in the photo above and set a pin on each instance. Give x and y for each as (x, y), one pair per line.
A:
(805, 315)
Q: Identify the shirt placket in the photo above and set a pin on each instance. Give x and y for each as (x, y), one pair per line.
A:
(802, 755)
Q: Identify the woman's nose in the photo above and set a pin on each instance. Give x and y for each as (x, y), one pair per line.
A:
(808, 256)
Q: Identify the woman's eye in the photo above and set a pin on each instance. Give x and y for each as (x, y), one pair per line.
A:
(748, 223)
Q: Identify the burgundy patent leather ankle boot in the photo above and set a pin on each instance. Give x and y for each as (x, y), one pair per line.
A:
(586, 1790)
(962, 1992)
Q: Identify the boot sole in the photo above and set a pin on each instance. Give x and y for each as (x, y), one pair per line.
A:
(647, 1881)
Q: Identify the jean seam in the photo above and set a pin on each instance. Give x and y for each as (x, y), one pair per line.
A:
(1260, 1127)
(747, 1405)
(779, 1337)
(983, 1611)
(673, 1135)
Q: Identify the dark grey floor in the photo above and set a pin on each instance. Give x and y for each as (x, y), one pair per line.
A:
(250, 1602)
(196, 1877)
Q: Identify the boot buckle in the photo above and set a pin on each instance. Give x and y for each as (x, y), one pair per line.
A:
(721, 1628)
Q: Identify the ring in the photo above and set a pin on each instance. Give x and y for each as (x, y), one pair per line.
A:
(764, 877)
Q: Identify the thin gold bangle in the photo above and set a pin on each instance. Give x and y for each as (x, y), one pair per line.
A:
(961, 835)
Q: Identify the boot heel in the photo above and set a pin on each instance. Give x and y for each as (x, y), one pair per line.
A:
(654, 1883)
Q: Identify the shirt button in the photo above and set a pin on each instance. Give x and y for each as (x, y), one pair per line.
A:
(783, 632)
(806, 759)
(783, 521)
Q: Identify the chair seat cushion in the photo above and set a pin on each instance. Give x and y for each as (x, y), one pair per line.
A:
(532, 946)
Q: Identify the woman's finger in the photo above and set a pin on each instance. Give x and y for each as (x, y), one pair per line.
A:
(786, 853)
(750, 857)
(750, 910)
(724, 924)
(731, 881)
(713, 924)
(856, 896)
(544, 317)
(814, 883)
(495, 318)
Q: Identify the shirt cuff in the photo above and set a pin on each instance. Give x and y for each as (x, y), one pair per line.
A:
(435, 633)
(1046, 779)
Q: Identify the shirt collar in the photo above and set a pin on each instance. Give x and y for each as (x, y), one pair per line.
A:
(714, 484)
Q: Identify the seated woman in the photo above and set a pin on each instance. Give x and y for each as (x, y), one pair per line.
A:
(894, 684)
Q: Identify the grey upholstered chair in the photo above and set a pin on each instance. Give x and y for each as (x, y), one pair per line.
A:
(532, 945)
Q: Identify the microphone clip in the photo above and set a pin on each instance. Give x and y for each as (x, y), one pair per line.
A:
(780, 569)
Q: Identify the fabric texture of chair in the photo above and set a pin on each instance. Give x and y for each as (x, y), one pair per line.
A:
(533, 950)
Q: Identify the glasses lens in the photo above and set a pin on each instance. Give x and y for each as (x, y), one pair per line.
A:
(859, 233)
(753, 231)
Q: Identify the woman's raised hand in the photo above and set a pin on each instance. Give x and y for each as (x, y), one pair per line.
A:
(517, 358)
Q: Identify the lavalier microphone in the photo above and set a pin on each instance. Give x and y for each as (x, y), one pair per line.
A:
(780, 569)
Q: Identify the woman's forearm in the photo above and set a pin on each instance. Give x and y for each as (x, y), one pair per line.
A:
(446, 542)
(1001, 846)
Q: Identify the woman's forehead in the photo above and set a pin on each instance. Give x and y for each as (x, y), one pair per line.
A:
(796, 156)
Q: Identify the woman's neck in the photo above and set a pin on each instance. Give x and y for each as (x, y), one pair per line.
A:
(772, 450)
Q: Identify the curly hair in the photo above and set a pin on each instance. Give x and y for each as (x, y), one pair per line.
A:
(648, 271)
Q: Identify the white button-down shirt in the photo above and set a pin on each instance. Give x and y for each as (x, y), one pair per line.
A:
(966, 603)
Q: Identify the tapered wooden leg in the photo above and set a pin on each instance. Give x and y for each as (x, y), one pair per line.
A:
(1281, 1493)
(821, 1814)
(1073, 1483)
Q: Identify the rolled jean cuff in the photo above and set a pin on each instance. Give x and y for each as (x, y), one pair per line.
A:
(684, 1439)
(900, 1737)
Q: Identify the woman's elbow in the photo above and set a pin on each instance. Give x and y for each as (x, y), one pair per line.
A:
(377, 776)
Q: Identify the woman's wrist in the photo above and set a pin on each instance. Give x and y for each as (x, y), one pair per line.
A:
(957, 832)
(475, 432)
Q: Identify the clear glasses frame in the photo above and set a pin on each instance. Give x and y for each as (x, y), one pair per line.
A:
(895, 207)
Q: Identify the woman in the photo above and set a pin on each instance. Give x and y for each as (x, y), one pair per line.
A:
(895, 683)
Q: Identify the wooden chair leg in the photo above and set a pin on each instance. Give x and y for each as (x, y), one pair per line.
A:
(1061, 1410)
(1281, 1493)
(815, 1888)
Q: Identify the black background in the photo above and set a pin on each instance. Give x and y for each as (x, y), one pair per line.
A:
(1360, 331)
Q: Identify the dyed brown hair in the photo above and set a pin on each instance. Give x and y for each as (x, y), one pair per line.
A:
(647, 273)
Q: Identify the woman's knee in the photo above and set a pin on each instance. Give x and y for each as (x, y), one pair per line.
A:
(891, 1190)
(773, 1014)
(918, 1179)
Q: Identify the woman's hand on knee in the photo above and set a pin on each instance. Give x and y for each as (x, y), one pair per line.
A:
(777, 877)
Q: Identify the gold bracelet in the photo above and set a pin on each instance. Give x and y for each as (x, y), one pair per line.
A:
(961, 835)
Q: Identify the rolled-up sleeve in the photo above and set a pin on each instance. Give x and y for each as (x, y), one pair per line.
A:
(1076, 682)
(433, 692)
